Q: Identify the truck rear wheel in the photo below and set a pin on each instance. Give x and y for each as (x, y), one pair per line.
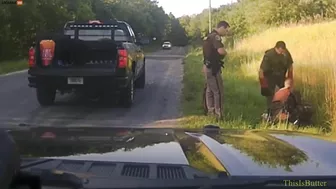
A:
(45, 96)
(127, 96)
(141, 81)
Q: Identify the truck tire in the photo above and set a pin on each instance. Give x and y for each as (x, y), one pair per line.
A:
(141, 81)
(127, 96)
(45, 96)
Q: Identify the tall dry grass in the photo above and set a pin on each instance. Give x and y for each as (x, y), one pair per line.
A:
(313, 48)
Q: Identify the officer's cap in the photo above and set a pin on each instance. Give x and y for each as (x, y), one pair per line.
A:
(223, 23)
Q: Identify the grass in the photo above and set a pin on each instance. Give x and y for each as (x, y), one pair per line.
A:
(11, 66)
(314, 56)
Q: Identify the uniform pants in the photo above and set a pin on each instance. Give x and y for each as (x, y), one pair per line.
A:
(213, 92)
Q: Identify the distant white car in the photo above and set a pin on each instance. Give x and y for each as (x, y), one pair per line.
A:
(166, 45)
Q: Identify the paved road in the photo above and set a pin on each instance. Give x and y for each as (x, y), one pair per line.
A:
(158, 101)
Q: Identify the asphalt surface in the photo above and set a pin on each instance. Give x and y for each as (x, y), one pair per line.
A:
(157, 105)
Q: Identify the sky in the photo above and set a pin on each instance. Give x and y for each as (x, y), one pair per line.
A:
(189, 7)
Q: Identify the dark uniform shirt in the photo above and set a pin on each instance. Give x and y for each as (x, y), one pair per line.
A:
(276, 65)
(210, 45)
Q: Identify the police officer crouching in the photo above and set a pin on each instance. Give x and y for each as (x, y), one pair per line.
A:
(275, 68)
(213, 53)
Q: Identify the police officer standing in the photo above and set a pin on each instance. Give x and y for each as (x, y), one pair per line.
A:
(276, 66)
(214, 52)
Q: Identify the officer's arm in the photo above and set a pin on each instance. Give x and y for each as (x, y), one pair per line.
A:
(261, 73)
(264, 66)
(219, 45)
(290, 72)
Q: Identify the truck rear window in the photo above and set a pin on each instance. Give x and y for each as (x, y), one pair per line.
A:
(98, 34)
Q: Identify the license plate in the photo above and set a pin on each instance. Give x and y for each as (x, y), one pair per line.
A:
(75, 81)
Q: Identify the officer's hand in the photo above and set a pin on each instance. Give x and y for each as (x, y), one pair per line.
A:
(264, 87)
(221, 51)
(292, 87)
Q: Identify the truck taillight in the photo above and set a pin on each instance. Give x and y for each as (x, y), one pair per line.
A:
(31, 58)
(122, 63)
(47, 49)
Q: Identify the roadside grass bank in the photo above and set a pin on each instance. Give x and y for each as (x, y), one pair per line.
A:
(315, 72)
(12, 66)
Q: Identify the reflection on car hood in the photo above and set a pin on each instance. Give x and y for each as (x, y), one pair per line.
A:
(234, 151)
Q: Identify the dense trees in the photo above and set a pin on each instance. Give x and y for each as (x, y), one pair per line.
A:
(249, 16)
(20, 24)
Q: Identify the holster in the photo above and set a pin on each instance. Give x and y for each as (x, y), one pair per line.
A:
(215, 66)
(208, 64)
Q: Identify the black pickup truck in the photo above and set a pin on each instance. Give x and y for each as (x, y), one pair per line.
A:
(93, 57)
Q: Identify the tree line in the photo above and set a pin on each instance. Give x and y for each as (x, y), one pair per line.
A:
(19, 24)
(247, 17)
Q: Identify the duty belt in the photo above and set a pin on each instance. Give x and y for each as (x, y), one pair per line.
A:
(208, 63)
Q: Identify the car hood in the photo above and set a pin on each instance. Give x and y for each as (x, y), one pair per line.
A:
(236, 152)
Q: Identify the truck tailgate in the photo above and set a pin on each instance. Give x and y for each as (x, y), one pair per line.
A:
(74, 54)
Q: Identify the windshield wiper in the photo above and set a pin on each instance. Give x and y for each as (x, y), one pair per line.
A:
(41, 177)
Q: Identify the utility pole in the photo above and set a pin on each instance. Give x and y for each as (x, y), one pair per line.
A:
(321, 8)
(210, 28)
